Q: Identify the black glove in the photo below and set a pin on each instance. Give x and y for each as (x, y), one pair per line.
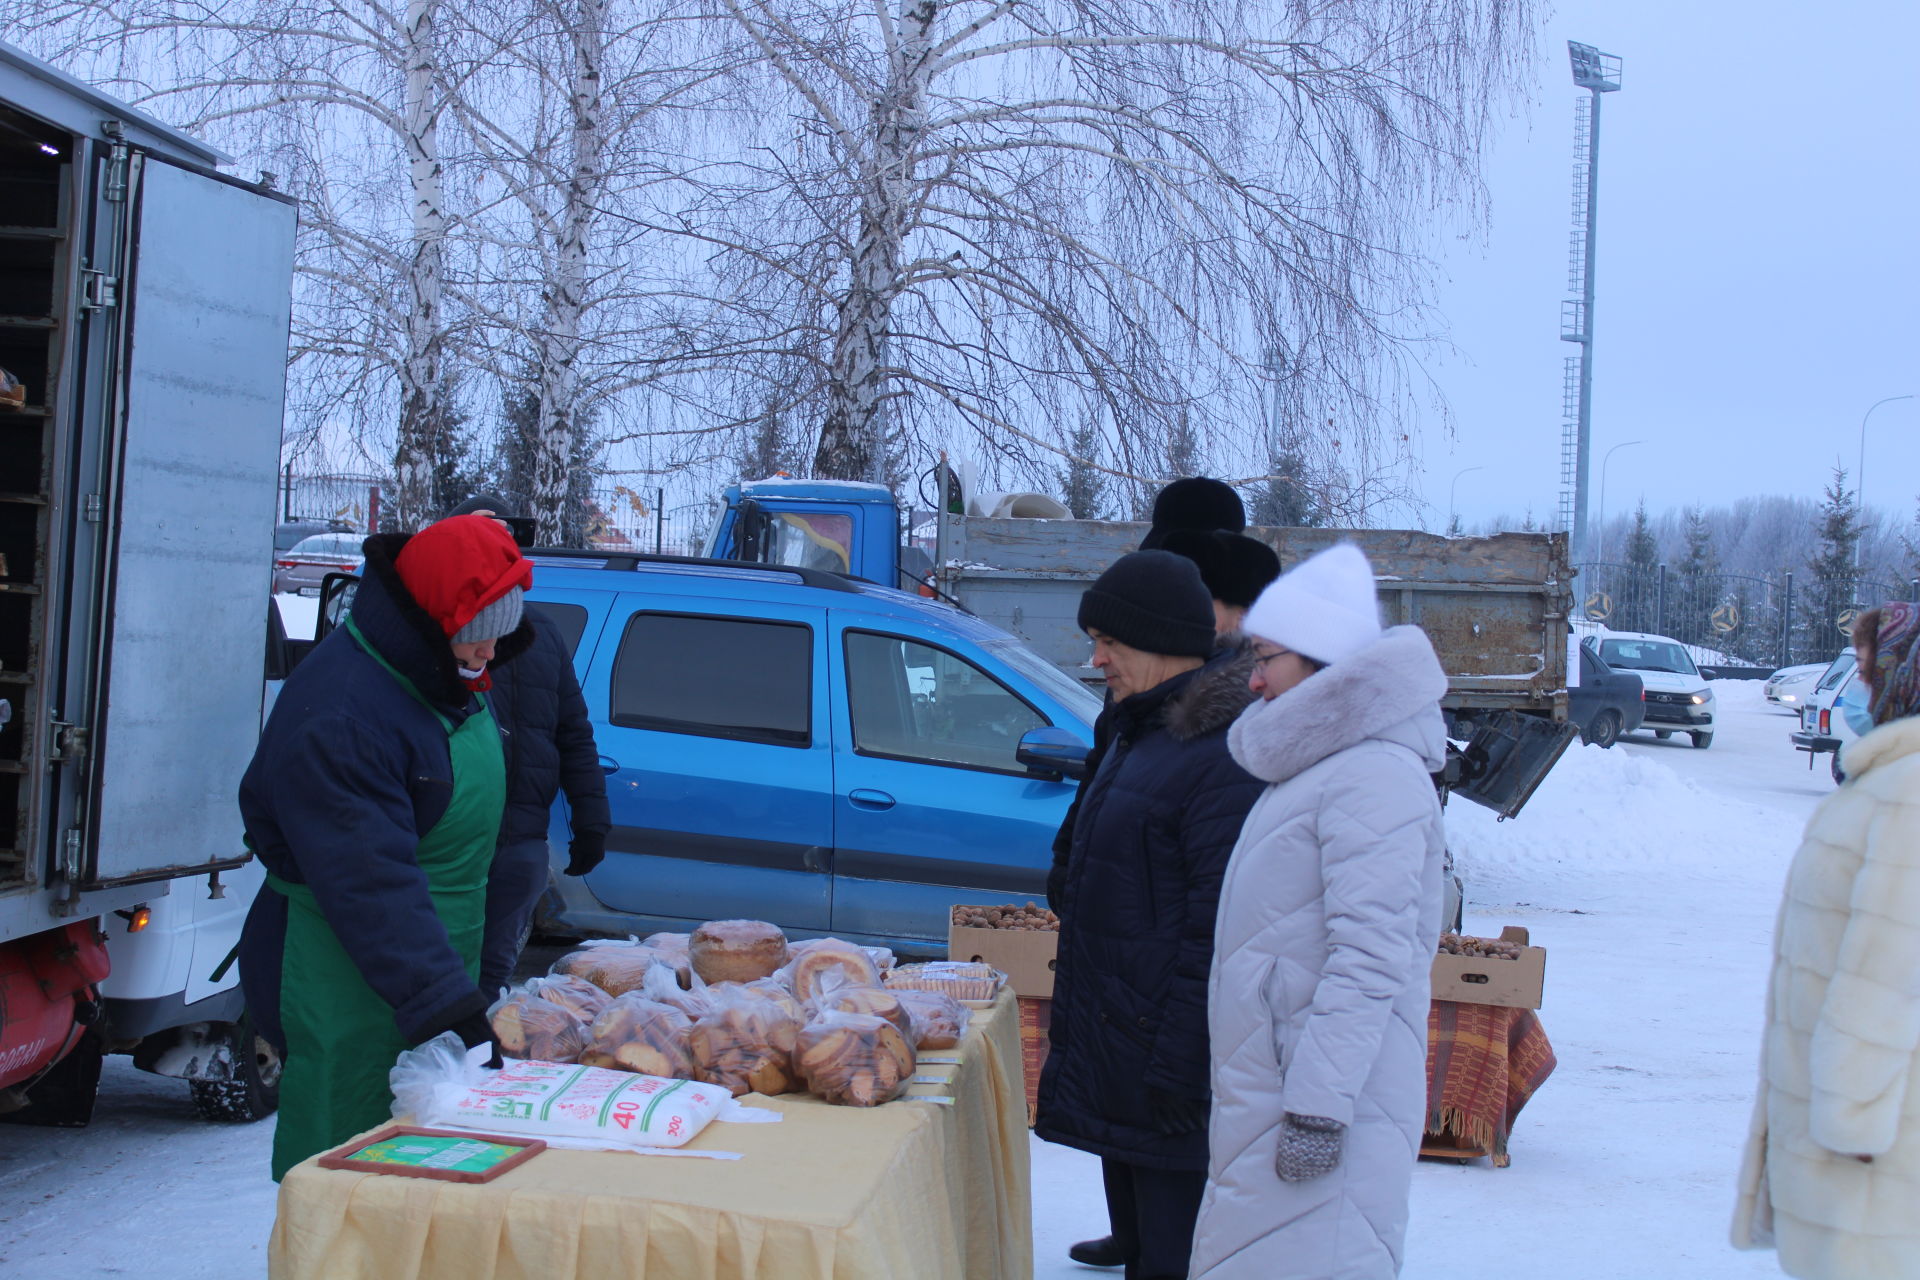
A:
(586, 852)
(1309, 1147)
(473, 1030)
(1174, 1115)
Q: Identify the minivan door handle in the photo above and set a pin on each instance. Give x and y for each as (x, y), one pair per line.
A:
(866, 798)
(609, 765)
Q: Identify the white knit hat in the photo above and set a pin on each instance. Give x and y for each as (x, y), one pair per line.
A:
(1323, 608)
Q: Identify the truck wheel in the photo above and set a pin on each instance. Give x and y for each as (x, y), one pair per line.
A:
(1701, 741)
(1604, 731)
(1663, 734)
(254, 1091)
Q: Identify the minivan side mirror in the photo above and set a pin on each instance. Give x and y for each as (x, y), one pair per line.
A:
(1052, 753)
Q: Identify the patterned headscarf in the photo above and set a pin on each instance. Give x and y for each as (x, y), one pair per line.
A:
(1894, 679)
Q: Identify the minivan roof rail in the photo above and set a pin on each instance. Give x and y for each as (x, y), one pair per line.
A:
(629, 560)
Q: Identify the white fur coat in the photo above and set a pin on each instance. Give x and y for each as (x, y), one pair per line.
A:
(1837, 1073)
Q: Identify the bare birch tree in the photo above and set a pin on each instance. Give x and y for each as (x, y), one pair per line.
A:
(1006, 216)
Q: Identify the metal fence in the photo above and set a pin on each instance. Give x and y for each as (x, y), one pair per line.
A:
(1731, 620)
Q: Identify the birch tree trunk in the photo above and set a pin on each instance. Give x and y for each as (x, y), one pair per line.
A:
(423, 415)
(852, 433)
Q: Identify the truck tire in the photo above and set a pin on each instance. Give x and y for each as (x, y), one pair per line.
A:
(1604, 731)
(253, 1093)
(1663, 734)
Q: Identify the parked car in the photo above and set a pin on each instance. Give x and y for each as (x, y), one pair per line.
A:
(313, 558)
(796, 746)
(1678, 697)
(1823, 730)
(1604, 703)
(289, 532)
(1789, 686)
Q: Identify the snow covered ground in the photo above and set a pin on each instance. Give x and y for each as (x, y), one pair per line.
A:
(1650, 873)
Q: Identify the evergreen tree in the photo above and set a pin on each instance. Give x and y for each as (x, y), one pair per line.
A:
(1692, 621)
(1637, 602)
(1084, 485)
(767, 449)
(1284, 500)
(1183, 448)
(1831, 593)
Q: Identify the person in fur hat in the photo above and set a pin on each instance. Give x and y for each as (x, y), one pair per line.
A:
(1126, 1075)
(1329, 917)
(1198, 503)
(374, 801)
(1832, 1161)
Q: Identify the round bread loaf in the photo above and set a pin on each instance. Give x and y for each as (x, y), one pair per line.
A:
(737, 950)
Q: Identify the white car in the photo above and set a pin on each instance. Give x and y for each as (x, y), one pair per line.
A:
(1679, 700)
(1823, 730)
(1789, 686)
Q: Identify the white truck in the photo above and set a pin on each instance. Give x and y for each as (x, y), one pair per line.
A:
(144, 307)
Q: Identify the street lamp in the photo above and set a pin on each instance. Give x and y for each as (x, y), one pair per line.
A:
(1602, 522)
(1450, 491)
(1860, 479)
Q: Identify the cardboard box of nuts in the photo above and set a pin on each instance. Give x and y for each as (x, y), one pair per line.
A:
(1503, 971)
(1020, 942)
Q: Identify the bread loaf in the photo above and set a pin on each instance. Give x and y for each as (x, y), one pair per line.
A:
(615, 968)
(638, 1034)
(855, 1059)
(829, 958)
(737, 950)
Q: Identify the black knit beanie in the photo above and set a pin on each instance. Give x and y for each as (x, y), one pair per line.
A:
(1153, 601)
(1196, 502)
(1235, 568)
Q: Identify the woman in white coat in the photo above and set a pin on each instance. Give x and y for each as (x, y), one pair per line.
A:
(1329, 917)
(1832, 1171)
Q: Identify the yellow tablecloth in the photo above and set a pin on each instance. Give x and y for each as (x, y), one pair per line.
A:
(907, 1190)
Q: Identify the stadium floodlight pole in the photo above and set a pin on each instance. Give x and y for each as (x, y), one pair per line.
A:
(1597, 73)
(1860, 482)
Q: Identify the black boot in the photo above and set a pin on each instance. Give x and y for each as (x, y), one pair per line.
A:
(1104, 1252)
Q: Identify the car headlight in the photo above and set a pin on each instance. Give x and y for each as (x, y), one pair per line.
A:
(1700, 699)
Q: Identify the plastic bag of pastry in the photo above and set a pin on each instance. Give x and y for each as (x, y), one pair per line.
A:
(806, 974)
(638, 1034)
(939, 1021)
(771, 989)
(443, 1085)
(839, 993)
(745, 1043)
(961, 979)
(530, 1027)
(576, 995)
(737, 950)
(855, 1059)
(614, 967)
(662, 986)
(882, 957)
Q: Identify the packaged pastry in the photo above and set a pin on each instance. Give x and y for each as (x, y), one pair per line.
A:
(737, 950)
(961, 979)
(638, 1034)
(882, 957)
(530, 1027)
(808, 973)
(745, 1043)
(615, 967)
(576, 995)
(662, 986)
(938, 1020)
(840, 995)
(855, 1059)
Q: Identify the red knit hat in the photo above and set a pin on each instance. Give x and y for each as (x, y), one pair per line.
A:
(458, 566)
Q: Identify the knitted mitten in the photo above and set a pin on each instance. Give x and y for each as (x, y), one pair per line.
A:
(1309, 1147)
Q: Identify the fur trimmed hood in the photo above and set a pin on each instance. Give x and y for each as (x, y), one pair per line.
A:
(1391, 690)
(1195, 704)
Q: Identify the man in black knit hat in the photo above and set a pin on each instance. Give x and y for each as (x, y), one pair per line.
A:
(1126, 1076)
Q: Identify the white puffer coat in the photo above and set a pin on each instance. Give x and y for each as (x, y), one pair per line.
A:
(1317, 1005)
(1840, 1062)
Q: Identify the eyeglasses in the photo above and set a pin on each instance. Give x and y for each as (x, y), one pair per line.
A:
(1260, 660)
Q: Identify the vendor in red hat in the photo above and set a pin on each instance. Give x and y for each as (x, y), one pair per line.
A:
(374, 802)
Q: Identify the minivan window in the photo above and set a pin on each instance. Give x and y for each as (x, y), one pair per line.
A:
(716, 678)
(571, 619)
(911, 701)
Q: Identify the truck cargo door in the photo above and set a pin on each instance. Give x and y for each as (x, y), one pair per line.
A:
(190, 496)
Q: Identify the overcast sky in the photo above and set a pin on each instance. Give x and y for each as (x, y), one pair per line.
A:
(1758, 265)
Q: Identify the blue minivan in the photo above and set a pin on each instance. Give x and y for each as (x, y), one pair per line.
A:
(801, 747)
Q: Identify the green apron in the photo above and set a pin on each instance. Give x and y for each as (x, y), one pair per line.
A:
(341, 1037)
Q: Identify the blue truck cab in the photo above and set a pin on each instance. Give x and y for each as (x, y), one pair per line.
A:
(792, 745)
(841, 526)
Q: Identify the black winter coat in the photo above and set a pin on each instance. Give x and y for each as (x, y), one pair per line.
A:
(549, 739)
(1156, 827)
(351, 772)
